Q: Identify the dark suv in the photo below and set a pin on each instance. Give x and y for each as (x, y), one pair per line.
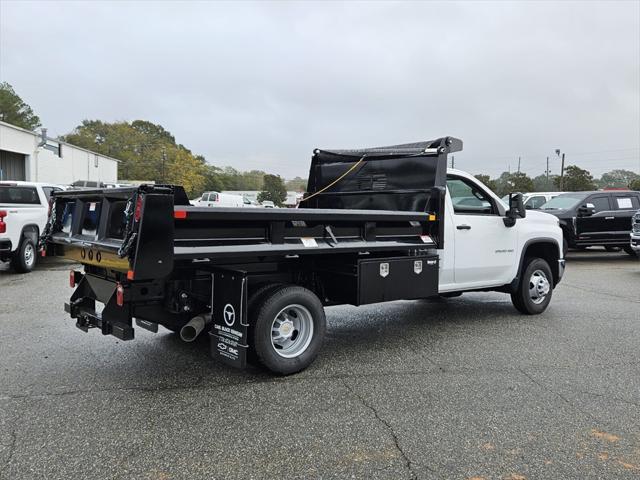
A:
(595, 218)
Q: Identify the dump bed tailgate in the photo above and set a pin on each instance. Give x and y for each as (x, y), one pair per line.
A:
(124, 229)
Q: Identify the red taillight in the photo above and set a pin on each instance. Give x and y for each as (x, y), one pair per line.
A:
(119, 295)
(138, 212)
(130, 275)
(73, 278)
(3, 226)
(180, 214)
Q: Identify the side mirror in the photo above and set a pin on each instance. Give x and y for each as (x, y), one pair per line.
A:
(516, 209)
(586, 210)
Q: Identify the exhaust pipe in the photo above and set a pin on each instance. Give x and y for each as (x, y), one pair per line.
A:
(191, 330)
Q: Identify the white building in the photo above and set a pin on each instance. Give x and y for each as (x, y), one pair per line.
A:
(34, 157)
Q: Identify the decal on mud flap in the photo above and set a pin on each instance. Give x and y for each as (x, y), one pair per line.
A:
(384, 269)
(417, 266)
(228, 334)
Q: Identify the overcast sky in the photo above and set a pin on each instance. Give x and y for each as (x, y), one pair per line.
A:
(259, 85)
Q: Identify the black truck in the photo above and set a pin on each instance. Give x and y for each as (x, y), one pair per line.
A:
(257, 280)
(599, 218)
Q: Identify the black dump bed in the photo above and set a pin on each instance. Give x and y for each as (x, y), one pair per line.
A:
(385, 199)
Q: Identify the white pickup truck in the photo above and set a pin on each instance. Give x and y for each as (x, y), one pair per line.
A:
(24, 207)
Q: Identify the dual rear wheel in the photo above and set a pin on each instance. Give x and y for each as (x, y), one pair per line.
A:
(287, 327)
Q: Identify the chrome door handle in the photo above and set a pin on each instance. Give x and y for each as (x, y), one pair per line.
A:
(609, 218)
(464, 227)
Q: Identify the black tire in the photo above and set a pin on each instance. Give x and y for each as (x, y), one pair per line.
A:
(255, 297)
(630, 251)
(267, 309)
(522, 298)
(24, 258)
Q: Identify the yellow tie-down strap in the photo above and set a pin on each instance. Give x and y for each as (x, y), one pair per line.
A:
(93, 256)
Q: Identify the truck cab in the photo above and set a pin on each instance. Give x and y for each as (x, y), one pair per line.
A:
(481, 250)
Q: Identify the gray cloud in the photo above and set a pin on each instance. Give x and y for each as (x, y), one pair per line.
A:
(259, 85)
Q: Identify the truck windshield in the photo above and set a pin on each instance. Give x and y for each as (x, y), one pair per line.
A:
(16, 194)
(562, 202)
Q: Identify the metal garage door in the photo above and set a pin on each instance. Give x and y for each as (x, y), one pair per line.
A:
(12, 166)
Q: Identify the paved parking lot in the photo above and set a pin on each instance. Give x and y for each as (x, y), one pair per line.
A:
(462, 388)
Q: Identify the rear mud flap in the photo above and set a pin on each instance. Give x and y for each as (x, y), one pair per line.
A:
(229, 330)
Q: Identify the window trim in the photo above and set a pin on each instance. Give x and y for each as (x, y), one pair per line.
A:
(629, 195)
(590, 200)
(496, 210)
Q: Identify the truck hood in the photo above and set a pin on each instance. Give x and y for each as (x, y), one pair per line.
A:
(543, 217)
(559, 212)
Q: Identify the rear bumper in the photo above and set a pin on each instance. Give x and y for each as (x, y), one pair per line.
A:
(86, 318)
(5, 249)
(5, 246)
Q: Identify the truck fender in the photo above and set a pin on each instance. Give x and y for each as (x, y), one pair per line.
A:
(551, 252)
(31, 232)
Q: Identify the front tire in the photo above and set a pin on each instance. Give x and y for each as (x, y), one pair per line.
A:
(287, 326)
(24, 258)
(630, 251)
(535, 289)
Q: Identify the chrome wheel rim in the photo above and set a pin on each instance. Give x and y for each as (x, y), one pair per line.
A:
(29, 255)
(292, 331)
(539, 287)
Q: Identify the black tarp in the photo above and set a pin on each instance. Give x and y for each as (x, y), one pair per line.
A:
(398, 177)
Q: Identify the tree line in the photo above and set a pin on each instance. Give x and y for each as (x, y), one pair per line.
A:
(148, 152)
(575, 179)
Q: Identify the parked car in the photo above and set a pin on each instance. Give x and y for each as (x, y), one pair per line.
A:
(595, 218)
(534, 200)
(24, 207)
(217, 199)
(635, 233)
(268, 204)
(83, 184)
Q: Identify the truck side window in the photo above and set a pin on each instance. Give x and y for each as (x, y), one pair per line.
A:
(468, 198)
(534, 202)
(627, 202)
(601, 203)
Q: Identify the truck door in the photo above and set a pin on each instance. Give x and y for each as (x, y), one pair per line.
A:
(599, 226)
(485, 249)
(625, 206)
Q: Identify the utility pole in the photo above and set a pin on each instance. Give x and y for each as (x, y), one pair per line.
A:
(547, 172)
(453, 161)
(164, 159)
(518, 164)
(561, 170)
